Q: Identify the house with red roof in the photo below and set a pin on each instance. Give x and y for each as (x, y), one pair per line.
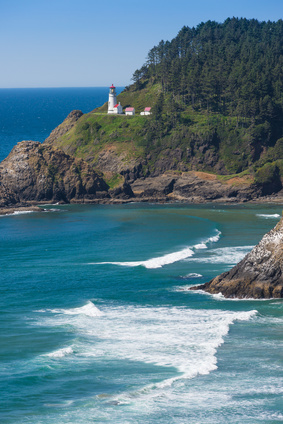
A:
(130, 111)
(147, 111)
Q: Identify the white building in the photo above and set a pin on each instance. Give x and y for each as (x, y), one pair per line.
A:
(113, 106)
(118, 109)
(147, 111)
(130, 111)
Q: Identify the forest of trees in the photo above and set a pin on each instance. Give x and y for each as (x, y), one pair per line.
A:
(231, 75)
(235, 67)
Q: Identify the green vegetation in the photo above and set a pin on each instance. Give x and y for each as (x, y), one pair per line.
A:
(115, 180)
(217, 106)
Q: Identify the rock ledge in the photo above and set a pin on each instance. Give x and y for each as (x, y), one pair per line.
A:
(259, 275)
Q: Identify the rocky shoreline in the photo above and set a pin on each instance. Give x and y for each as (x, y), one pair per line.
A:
(36, 173)
(37, 206)
(259, 275)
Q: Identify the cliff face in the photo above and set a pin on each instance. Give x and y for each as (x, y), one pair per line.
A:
(35, 172)
(258, 275)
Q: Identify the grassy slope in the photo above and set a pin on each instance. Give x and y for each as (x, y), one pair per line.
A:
(139, 137)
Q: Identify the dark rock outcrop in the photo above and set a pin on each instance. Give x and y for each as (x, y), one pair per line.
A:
(191, 186)
(259, 275)
(34, 172)
(123, 192)
(154, 187)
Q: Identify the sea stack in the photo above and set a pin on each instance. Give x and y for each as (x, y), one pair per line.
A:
(259, 275)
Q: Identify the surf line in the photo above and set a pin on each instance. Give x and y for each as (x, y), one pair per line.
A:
(168, 259)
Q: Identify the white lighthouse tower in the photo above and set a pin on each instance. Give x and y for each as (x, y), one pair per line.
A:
(113, 106)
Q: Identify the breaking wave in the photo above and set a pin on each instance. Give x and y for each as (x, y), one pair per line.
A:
(268, 216)
(168, 259)
(61, 352)
(225, 255)
(181, 338)
(89, 310)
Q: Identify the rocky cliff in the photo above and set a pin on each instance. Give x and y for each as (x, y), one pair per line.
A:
(35, 172)
(259, 275)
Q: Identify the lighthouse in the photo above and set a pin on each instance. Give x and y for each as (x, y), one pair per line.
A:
(113, 106)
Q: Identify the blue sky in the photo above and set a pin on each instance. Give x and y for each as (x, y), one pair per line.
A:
(72, 43)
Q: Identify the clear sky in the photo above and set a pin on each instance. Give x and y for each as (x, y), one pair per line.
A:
(88, 43)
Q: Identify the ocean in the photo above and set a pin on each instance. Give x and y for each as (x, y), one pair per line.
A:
(98, 324)
(32, 113)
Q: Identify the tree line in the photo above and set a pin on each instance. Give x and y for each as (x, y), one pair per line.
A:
(235, 68)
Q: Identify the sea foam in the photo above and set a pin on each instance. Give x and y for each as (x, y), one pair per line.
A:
(225, 255)
(268, 216)
(15, 213)
(89, 309)
(181, 338)
(167, 259)
(60, 353)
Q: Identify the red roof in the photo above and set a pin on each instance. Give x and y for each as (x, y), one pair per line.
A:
(116, 105)
(112, 86)
(129, 109)
(147, 109)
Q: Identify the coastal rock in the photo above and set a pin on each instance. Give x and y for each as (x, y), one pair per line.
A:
(259, 275)
(65, 126)
(191, 186)
(122, 192)
(35, 172)
(207, 188)
(159, 186)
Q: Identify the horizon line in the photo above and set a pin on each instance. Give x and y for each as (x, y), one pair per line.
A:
(88, 86)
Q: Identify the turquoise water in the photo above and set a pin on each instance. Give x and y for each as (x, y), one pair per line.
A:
(97, 324)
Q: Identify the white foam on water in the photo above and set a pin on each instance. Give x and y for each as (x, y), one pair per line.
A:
(60, 353)
(59, 405)
(180, 338)
(192, 275)
(200, 246)
(220, 296)
(167, 259)
(21, 212)
(215, 238)
(156, 262)
(225, 255)
(17, 213)
(89, 310)
(54, 210)
(268, 216)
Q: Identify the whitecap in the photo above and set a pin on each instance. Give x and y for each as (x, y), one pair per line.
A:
(15, 213)
(167, 259)
(220, 296)
(267, 216)
(186, 339)
(183, 340)
(191, 275)
(89, 309)
(158, 262)
(200, 246)
(61, 352)
(224, 255)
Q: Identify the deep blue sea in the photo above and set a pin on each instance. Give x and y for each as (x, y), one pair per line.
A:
(97, 324)
(32, 113)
